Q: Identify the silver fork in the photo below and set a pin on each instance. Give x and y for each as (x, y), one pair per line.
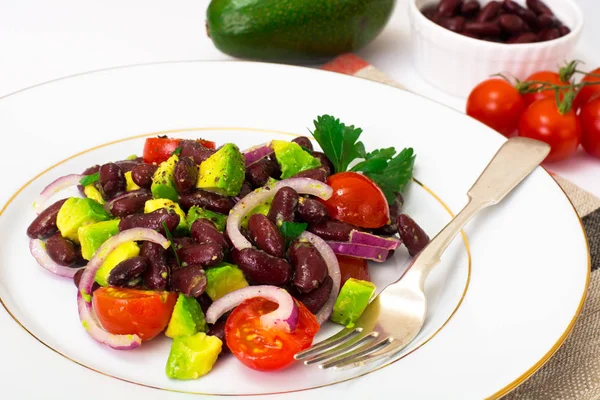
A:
(394, 318)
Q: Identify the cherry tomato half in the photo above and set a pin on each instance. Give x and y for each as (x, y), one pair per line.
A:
(543, 121)
(357, 200)
(497, 104)
(129, 311)
(159, 149)
(543, 76)
(590, 125)
(587, 92)
(352, 267)
(267, 349)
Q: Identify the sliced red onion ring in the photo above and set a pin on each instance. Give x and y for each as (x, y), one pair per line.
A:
(358, 237)
(64, 182)
(86, 313)
(333, 268)
(38, 251)
(253, 154)
(373, 253)
(285, 316)
(261, 195)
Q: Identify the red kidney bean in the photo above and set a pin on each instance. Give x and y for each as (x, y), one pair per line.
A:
(447, 8)
(283, 206)
(332, 230)
(185, 175)
(262, 269)
(547, 21)
(153, 220)
(88, 171)
(312, 210)
(309, 267)
(203, 255)
(489, 12)
(549, 34)
(316, 299)
(190, 280)
(429, 11)
(539, 7)
(210, 201)
(142, 175)
(325, 163)
(218, 330)
(127, 165)
(193, 149)
(511, 23)
(470, 8)
(156, 276)
(266, 236)
(392, 227)
(318, 174)
(259, 173)
(455, 24)
(490, 29)
(527, 37)
(304, 142)
(61, 250)
(412, 235)
(44, 224)
(203, 231)
(245, 190)
(128, 270)
(128, 203)
(205, 302)
(564, 30)
(112, 180)
(77, 279)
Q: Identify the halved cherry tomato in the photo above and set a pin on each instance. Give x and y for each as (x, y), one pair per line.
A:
(357, 200)
(590, 124)
(543, 76)
(352, 267)
(129, 311)
(587, 92)
(267, 349)
(159, 149)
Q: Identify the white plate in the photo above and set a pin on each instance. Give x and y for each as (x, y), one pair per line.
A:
(497, 313)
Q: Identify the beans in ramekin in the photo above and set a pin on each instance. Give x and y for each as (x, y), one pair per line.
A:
(498, 21)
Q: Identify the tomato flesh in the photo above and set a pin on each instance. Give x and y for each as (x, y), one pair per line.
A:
(133, 312)
(590, 123)
(159, 149)
(588, 92)
(357, 200)
(352, 267)
(267, 349)
(544, 76)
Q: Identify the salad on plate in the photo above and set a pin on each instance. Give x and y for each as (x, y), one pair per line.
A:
(227, 251)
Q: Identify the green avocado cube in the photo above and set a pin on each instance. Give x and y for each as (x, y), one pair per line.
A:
(293, 158)
(163, 181)
(222, 279)
(192, 356)
(123, 252)
(91, 192)
(223, 172)
(196, 212)
(354, 297)
(259, 209)
(92, 236)
(157, 204)
(187, 318)
(77, 212)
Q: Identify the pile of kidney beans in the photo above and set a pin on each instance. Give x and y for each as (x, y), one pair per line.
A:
(498, 21)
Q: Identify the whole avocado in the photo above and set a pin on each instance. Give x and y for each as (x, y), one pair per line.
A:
(295, 30)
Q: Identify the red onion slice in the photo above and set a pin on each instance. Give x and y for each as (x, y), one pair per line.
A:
(358, 237)
(253, 154)
(333, 268)
(84, 305)
(261, 195)
(38, 251)
(285, 316)
(62, 183)
(373, 253)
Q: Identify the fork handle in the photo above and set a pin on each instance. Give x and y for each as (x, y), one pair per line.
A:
(514, 161)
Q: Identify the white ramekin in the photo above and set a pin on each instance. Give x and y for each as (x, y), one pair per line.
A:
(455, 63)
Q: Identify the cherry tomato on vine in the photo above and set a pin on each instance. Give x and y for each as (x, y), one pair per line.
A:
(587, 92)
(542, 121)
(543, 76)
(590, 125)
(496, 103)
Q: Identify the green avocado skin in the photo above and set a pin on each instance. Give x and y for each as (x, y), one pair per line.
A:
(295, 30)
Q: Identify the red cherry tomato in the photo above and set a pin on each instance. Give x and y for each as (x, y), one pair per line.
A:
(133, 312)
(357, 200)
(267, 349)
(352, 267)
(497, 104)
(159, 149)
(590, 124)
(543, 121)
(587, 92)
(543, 76)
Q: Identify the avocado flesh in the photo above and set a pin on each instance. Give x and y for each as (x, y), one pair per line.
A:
(123, 252)
(163, 182)
(292, 158)
(77, 212)
(223, 172)
(196, 212)
(223, 279)
(157, 204)
(187, 318)
(92, 236)
(130, 184)
(192, 356)
(354, 297)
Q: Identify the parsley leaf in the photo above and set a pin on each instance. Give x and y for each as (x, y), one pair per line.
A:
(89, 179)
(376, 161)
(176, 152)
(338, 141)
(170, 239)
(291, 230)
(394, 177)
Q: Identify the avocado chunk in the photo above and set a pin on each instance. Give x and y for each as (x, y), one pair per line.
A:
(295, 30)
(292, 158)
(223, 172)
(187, 318)
(259, 209)
(75, 213)
(91, 192)
(123, 252)
(92, 236)
(130, 184)
(163, 182)
(157, 204)
(222, 279)
(193, 356)
(196, 212)
(354, 297)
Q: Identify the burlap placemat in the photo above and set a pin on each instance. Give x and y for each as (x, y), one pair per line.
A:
(574, 371)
